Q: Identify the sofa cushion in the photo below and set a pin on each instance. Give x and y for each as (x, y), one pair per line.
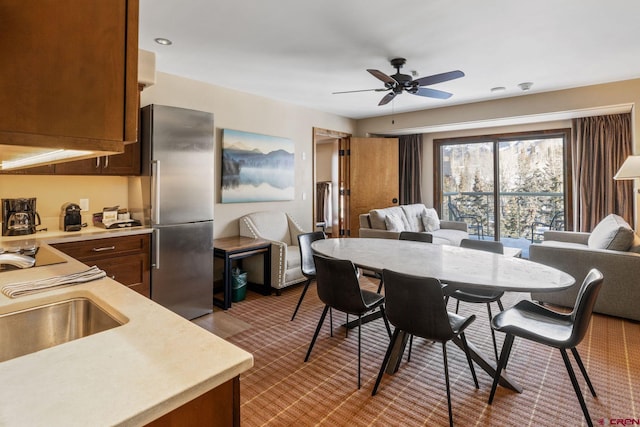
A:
(635, 244)
(613, 233)
(430, 220)
(394, 223)
(413, 213)
(377, 216)
(453, 237)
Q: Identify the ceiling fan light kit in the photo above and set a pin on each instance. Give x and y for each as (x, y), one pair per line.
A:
(398, 83)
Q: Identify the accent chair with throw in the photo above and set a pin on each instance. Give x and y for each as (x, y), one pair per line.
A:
(282, 230)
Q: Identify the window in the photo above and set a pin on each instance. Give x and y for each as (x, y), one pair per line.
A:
(506, 187)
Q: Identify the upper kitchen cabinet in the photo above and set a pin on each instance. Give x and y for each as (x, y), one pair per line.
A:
(70, 72)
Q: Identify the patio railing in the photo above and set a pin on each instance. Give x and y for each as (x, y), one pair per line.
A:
(517, 210)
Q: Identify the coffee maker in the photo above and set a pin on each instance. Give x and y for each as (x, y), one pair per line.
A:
(19, 216)
(70, 218)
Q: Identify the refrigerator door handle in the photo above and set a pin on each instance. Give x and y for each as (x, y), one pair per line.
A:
(156, 249)
(155, 191)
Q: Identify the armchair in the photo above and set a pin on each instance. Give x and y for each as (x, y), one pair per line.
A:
(282, 230)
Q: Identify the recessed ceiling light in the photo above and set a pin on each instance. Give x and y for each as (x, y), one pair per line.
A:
(163, 41)
(498, 89)
(525, 86)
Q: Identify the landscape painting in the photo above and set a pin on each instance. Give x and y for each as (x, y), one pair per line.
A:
(256, 168)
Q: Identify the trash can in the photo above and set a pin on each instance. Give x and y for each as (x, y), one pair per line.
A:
(238, 284)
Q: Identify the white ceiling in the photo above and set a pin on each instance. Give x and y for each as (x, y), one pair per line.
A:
(300, 51)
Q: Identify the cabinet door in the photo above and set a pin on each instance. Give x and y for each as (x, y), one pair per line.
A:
(127, 163)
(80, 167)
(70, 70)
(131, 271)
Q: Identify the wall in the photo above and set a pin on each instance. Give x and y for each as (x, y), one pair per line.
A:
(53, 191)
(241, 111)
(548, 110)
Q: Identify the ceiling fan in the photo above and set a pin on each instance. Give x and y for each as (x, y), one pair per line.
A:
(397, 83)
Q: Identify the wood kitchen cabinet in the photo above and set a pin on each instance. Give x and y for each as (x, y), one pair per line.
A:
(125, 164)
(70, 72)
(125, 259)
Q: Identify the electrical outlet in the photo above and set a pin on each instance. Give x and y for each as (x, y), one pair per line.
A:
(84, 204)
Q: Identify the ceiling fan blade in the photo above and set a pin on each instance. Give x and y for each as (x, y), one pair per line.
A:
(432, 93)
(382, 76)
(361, 90)
(388, 97)
(439, 78)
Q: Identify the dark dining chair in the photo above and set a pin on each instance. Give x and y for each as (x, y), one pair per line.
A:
(416, 236)
(480, 296)
(339, 289)
(415, 305)
(306, 261)
(563, 331)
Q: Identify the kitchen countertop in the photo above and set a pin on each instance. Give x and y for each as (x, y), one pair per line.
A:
(87, 233)
(128, 375)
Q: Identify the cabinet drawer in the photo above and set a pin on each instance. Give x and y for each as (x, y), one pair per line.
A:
(131, 271)
(103, 248)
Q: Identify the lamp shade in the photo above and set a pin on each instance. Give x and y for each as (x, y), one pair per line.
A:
(630, 168)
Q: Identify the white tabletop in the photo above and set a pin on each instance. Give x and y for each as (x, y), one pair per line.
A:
(458, 267)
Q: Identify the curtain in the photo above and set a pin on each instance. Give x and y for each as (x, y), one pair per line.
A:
(410, 159)
(600, 145)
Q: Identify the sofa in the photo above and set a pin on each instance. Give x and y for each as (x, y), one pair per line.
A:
(282, 230)
(388, 223)
(613, 248)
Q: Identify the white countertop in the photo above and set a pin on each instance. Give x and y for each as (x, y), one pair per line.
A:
(128, 375)
(87, 233)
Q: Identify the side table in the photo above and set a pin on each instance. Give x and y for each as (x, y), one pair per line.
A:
(236, 248)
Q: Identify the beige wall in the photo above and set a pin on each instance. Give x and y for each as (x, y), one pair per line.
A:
(54, 191)
(241, 111)
(549, 110)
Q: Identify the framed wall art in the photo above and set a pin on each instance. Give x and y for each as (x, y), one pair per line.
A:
(256, 168)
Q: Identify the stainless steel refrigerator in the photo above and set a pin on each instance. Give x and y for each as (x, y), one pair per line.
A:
(176, 189)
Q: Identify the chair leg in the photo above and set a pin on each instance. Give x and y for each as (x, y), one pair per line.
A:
(466, 351)
(502, 362)
(359, 344)
(410, 345)
(304, 291)
(385, 361)
(457, 305)
(315, 335)
(380, 285)
(500, 304)
(493, 333)
(576, 387)
(583, 370)
(446, 378)
(346, 331)
(386, 321)
(331, 321)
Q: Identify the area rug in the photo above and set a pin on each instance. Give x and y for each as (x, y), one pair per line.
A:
(282, 390)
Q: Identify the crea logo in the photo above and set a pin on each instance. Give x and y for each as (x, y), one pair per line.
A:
(619, 421)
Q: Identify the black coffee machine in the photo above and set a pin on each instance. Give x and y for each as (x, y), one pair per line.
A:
(70, 218)
(19, 216)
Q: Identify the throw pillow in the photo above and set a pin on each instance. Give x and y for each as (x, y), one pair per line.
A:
(430, 220)
(613, 233)
(394, 223)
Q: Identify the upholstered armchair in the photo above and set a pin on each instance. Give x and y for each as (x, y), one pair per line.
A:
(282, 230)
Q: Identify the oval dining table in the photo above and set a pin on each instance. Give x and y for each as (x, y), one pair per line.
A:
(461, 268)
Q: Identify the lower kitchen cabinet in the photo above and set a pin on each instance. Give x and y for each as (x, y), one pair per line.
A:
(125, 259)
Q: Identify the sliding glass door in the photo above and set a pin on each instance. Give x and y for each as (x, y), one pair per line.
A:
(506, 187)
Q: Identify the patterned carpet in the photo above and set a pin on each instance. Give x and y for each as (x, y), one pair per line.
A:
(282, 390)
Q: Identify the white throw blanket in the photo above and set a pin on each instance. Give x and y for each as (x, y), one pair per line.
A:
(14, 290)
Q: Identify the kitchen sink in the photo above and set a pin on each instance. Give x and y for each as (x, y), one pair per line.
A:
(38, 328)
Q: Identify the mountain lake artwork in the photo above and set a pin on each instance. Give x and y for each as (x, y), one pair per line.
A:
(256, 168)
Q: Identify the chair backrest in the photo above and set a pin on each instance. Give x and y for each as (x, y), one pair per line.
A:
(583, 309)
(271, 225)
(337, 284)
(483, 245)
(416, 236)
(306, 253)
(454, 211)
(416, 305)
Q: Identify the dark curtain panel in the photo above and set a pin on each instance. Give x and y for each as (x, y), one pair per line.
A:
(600, 146)
(410, 147)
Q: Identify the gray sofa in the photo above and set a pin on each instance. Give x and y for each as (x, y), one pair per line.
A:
(378, 223)
(576, 253)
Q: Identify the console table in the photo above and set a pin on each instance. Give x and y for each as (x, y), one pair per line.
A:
(236, 248)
